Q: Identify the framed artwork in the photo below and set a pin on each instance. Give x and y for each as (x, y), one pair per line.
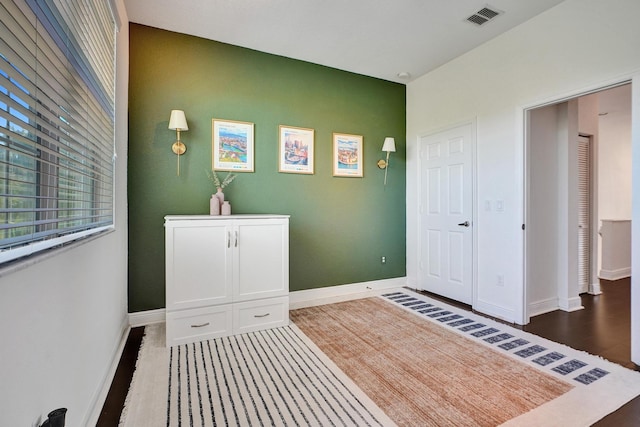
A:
(296, 150)
(232, 146)
(347, 155)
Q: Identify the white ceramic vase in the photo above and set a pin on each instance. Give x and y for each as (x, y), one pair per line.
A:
(226, 208)
(214, 205)
(220, 195)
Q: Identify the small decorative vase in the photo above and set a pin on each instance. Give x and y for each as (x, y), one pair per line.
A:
(220, 196)
(226, 208)
(214, 205)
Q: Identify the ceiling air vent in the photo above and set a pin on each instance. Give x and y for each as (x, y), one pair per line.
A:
(484, 15)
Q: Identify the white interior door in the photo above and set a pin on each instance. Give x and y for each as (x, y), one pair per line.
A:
(446, 214)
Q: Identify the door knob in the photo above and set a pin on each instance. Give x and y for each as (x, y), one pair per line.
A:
(464, 224)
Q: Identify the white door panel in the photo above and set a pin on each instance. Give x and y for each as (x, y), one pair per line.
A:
(433, 253)
(433, 194)
(456, 258)
(446, 244)
(456, 189)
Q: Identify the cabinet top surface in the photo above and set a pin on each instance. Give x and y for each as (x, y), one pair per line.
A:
(222, 217)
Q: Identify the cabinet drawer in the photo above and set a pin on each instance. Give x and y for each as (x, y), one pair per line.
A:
(200, 324)
(266, 313)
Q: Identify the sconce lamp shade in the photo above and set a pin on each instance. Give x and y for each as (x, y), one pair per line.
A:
(389, 145)
(178, 121)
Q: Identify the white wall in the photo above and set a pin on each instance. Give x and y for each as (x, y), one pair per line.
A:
(62, 319)
(577, 46)
(614, 155)
(614, 182)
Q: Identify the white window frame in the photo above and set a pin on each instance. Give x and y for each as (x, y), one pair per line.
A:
(57, 123)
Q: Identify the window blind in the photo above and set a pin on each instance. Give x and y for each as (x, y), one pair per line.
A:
(57, 86)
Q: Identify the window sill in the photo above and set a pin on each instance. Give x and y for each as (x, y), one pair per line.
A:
(28, 261)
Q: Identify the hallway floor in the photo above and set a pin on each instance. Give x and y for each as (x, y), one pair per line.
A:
(602, 328)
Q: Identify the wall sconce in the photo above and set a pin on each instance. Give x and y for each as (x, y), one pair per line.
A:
(178, 122)
(388, 147)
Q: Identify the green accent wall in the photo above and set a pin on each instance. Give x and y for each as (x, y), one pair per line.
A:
(339, 228)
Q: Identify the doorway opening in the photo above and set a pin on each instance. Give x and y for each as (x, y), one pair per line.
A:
(577, 179)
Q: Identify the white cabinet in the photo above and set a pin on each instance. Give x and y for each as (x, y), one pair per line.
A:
(225, 275)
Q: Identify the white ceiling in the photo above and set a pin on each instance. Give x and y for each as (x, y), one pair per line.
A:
(378, 38)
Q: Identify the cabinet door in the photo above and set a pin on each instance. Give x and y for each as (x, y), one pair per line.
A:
(198, 265)
(261, 263)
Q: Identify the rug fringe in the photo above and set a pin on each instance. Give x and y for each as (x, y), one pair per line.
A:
(127, 400)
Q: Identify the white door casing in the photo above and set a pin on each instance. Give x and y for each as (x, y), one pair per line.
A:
(446, 214)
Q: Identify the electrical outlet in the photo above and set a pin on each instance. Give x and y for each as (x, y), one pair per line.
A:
(500, 280)
(383, 260)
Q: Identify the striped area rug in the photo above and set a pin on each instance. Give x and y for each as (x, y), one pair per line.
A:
(268, 378)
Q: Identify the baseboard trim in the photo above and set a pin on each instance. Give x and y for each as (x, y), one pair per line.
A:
(148, 317)
(339, 293)
(297, 299)
(544, 306)
(494, 310)
(93, 414)
(570, 304)
(617, 274)
(594, 289)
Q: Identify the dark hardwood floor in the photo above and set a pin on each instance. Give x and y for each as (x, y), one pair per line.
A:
(602, 328)
(114, 403)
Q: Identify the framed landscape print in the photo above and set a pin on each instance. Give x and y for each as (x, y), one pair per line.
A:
(232, 145)
(296, 150)
(347, 155)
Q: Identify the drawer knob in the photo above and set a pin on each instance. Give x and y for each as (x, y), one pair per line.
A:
(201, 325)
(260, 315)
